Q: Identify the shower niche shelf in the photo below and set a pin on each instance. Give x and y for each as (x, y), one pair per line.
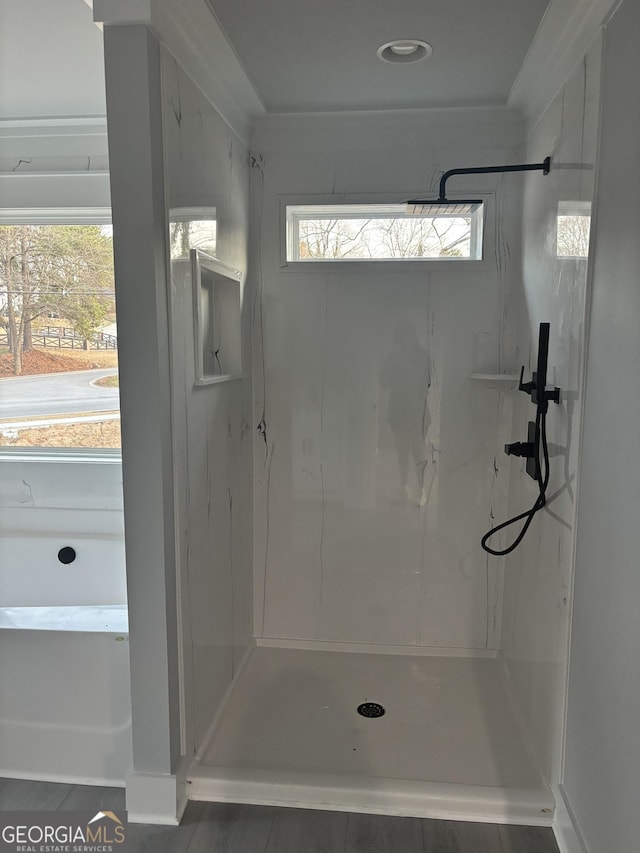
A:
(497, 381)
(216, 317)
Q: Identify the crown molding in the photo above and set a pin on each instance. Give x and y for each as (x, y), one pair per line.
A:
(55, 215)
(564, 36)
(38, 190)
(405, 119)
(59, 136)
(38, 125)
(90, 5)
(490, 128)
(192, 34)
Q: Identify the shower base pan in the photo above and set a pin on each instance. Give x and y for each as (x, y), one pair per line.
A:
(448, 744)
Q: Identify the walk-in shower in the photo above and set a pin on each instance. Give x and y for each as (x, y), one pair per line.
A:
(373, 680)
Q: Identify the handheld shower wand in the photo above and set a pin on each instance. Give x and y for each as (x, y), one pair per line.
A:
(535, 445)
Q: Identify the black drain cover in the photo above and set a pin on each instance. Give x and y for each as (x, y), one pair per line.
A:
(370, 709)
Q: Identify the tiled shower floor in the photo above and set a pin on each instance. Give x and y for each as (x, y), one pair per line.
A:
(447, 746)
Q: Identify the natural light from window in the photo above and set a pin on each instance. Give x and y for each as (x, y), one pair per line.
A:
(58, 337)
(573, 229)
(192, 228)
(379, 232)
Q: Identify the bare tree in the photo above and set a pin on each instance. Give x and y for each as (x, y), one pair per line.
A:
(573, 236)
(421, 237)
(398, 237)
(54, 268)
(333, 238)
(192, 234)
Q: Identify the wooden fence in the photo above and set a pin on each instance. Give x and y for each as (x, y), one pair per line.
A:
(62, 338)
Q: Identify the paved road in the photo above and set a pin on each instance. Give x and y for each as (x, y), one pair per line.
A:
(56, 394)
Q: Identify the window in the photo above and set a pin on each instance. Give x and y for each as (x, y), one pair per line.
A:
(58, 334)
(192, 228)
(379, 232)
(573, 228)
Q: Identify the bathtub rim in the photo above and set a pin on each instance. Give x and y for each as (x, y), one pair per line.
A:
(65, 614)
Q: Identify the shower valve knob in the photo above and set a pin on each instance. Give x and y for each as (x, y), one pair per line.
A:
(520, 448)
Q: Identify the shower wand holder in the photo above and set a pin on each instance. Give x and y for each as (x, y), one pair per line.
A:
(540, 396)
(549, 395)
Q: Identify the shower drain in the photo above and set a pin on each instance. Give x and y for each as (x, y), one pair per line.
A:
(370, 709)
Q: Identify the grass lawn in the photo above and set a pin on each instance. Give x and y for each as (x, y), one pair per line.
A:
(108, 381)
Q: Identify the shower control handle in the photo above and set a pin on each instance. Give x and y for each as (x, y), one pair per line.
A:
(527, 387)
(520, 448)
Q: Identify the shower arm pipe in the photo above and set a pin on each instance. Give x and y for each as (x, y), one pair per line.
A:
(543, 167)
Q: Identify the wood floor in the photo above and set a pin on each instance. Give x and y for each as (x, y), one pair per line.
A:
(225, 828)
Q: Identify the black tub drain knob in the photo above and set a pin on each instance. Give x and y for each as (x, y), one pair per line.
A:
(67, 554)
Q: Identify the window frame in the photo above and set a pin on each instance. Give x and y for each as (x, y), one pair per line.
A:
(55, 216)
(383, 265)
(60, 216)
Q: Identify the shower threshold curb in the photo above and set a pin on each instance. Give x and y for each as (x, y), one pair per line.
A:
(439, 800)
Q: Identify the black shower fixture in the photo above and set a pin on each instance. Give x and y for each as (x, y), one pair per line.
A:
(464, 207)
(535, 444)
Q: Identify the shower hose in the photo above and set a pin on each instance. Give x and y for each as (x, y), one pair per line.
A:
(542, 481)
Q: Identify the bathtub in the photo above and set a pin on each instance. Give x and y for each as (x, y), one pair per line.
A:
(32, 574)
(65, 706)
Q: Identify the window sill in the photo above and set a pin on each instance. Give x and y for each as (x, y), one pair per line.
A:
(217, 380)
(96, 456)
(385, 266)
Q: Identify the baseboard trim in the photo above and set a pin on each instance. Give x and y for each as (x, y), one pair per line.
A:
(439, 800)
(158, 798)
(374, 648)
(62, 778)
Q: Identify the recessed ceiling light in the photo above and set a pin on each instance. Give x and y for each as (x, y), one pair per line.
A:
(404, 50)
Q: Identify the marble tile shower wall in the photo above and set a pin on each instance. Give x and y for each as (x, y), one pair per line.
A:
(207, 176)
(538, 575)
(375, 461)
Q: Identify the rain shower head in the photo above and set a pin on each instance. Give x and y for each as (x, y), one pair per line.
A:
(442, 206)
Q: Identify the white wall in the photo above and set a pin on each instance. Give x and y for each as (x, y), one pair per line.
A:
(207, 167)
(342, 554)
(602, 764)
(555, 290)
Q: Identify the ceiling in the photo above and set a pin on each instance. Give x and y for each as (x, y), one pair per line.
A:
(51, 59)
(307, 56)
(299, 55)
